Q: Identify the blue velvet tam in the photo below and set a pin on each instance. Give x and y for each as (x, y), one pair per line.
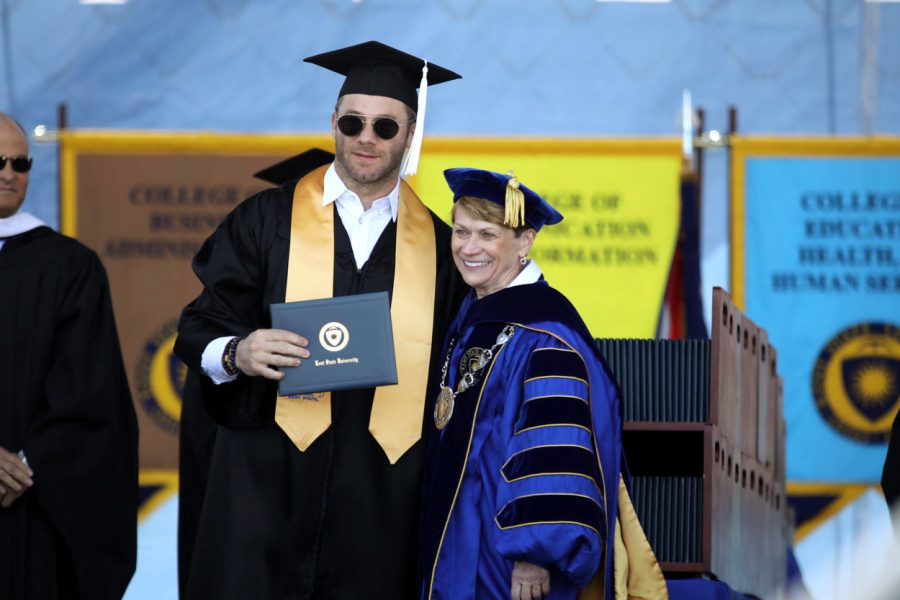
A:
(521, 205)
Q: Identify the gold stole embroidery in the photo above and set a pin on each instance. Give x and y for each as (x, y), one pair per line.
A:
(397, 410)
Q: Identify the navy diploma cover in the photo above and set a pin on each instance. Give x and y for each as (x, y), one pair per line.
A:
(351, 343)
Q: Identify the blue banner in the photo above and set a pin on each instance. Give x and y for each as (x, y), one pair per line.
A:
(821, 259)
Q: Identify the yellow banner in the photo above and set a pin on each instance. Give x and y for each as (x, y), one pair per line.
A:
(612, 252)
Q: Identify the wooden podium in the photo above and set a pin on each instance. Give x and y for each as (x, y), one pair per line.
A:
(704, 439)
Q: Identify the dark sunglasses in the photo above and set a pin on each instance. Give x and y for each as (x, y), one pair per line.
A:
(384, 127)
(20, 164)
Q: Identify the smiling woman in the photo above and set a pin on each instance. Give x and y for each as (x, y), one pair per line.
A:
(523, 383)
(488, 254)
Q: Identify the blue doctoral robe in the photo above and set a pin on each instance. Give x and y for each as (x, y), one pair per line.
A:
(527, 469)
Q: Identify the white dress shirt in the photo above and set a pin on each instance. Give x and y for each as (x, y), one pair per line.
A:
(364, 227)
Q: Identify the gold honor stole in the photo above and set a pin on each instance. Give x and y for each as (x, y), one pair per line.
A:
(636, 573)
(397, 410)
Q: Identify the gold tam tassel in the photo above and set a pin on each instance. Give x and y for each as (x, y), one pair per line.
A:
(514, 214)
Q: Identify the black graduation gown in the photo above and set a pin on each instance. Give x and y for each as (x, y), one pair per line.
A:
(196, 439)
(64, 400)
(335, 521)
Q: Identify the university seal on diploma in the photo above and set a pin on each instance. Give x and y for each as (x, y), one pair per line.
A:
(351, 343)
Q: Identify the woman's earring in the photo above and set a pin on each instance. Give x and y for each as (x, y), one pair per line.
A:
(523, 260)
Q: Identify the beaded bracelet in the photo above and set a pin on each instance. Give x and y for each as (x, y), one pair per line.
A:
(229, 357)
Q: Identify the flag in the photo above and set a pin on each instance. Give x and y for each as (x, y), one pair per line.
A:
(681, 315)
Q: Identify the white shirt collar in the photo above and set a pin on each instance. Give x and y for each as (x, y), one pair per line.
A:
(20, 222)
(335, 188)
(530, 274)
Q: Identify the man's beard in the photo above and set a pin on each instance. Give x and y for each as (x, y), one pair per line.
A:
(372, 174)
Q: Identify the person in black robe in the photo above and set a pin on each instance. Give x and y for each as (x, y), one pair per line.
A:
(338, 519)
(196, 439)
(68, 430)
(197, 429)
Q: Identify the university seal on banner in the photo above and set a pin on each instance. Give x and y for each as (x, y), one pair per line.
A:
(856, 381)
(159, 378)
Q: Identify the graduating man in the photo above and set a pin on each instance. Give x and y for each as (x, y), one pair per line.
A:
(197, 430)
(318, 496)
(68, 431)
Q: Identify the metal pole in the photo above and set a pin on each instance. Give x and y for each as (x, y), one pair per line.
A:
(62, 121)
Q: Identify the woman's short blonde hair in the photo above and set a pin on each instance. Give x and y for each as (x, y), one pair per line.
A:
(485, 210)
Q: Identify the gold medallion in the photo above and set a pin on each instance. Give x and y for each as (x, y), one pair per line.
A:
(443, 408)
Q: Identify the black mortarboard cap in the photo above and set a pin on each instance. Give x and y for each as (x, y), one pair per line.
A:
(375, 69)
(295, 167)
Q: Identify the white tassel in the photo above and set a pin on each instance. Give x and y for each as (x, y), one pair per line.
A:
(411, 163)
